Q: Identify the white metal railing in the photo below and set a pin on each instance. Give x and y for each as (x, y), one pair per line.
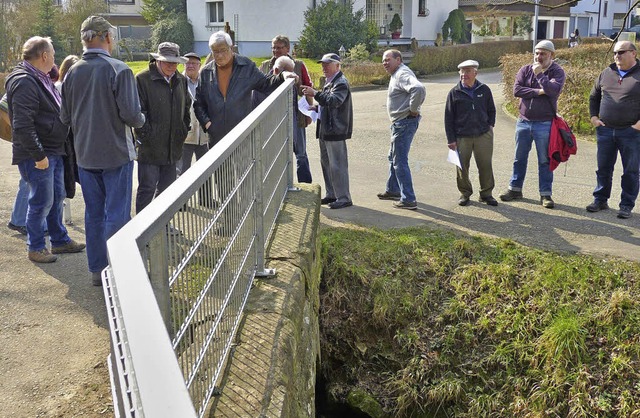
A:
(180, 271)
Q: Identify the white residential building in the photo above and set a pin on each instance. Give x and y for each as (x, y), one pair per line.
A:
(256, 22)
(593, 17)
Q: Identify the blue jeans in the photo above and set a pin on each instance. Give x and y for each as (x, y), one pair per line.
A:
(303, 172)
(528, 132)
(399, 181)
(19, 213)
(107, 199)
(46, 197)
(610, 142)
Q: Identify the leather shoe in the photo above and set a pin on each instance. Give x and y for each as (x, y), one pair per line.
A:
(489, 200)
(20, 229)
(327, 200)
(42, 256)
(597, 206)
(388, 196)
(68, 248)
(463, 200)
(96, 278)
(340, 205)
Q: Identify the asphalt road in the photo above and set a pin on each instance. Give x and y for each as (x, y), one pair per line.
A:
(568, 227)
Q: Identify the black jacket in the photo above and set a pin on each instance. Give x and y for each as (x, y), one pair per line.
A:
(226, 112)
(166, 107)
(336, 116)
(34, 114)
(469, 114)
(616, 100)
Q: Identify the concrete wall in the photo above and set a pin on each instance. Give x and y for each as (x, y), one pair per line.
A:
(272, 371)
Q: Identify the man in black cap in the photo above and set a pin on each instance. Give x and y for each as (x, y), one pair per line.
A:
(100, 102)
(166, 103)
(334, 128)
(197, 142)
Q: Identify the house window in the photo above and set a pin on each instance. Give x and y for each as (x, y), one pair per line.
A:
(604, 10)
(216, 12)
(422, 7)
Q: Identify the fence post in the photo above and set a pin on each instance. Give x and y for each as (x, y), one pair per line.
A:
(291, 161)
(159, 275)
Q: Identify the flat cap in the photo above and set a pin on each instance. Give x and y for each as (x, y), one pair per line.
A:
(468, 63)
(330, 58)
(96, 24)
(546, 44)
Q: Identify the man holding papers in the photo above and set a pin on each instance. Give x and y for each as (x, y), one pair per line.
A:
(469, 118)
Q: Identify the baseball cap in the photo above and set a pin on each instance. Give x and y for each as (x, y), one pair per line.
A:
(96, 24)
(331, 57)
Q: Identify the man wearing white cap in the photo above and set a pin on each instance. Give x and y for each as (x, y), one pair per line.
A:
(469, 118)
(166, 103)
(538, 86)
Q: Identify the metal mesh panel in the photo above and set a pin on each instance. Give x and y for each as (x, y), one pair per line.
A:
(201, 243)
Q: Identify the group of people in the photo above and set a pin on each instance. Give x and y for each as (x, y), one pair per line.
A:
(162, 118)
(613, 106)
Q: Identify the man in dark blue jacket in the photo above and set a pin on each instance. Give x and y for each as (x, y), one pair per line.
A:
(469, 118)
(38, 146)
(333, 129)
(223, 97)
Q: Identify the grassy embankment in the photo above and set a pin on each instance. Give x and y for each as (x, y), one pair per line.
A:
(433, 324)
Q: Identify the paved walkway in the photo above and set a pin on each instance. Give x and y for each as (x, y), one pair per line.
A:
(53, 335)
(568, 227)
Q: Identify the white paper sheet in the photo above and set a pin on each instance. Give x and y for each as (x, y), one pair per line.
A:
(303, 105)
(454, 158)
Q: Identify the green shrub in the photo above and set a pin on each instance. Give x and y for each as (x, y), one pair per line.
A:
(359, 52)
(435, 60)
(174, 28)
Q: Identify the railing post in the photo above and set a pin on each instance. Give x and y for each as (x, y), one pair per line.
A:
(258, 174)
(159, 276)
(291, 161)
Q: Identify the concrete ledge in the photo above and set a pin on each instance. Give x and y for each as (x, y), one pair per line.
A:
(272, 371)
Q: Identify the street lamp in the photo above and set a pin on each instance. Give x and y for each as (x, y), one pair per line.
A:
(342, 52)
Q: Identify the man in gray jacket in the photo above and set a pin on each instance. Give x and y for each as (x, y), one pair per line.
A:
(100, 103)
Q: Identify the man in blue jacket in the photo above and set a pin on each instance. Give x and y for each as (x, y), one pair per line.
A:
(538, 86)
(100, 103)
(38, 147)
(469, 118)
(223, 97)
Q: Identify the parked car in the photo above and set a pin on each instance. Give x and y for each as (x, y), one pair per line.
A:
(635, 29)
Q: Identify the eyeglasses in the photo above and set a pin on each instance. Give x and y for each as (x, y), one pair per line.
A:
(191, 64)
(220, 51)
(621, 52)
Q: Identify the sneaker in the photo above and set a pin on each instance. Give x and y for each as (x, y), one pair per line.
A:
(547, 202)
(327, 200)
(463, 200)
(624, 212)
(406, 205)
(388, 196)
(489, 200)
(68, 248)
(42, 256)
(96, 278)
(510, 195)
(20, 229)
(597, 206)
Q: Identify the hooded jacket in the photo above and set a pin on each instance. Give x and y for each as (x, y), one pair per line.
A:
(469, 112)
(225, 113)
(36, 127)
(166, 106)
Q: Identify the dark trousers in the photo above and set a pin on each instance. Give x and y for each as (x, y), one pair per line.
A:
(153, 180)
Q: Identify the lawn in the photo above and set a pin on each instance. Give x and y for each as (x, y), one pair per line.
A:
(424, 323)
